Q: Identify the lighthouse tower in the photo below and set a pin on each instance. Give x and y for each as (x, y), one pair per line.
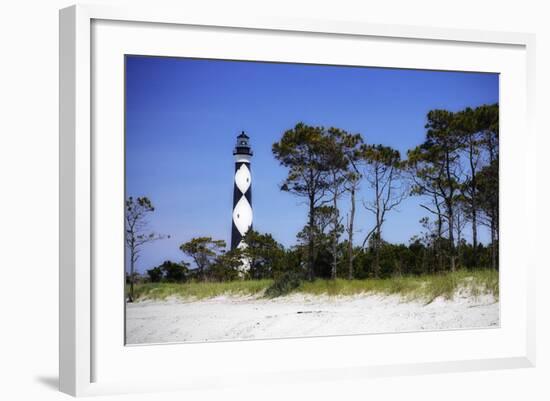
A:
(242, 192)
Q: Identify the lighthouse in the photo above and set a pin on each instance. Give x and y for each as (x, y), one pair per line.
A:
(242, 192)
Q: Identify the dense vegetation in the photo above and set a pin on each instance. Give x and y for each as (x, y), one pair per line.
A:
(424, 288)
(454, 172)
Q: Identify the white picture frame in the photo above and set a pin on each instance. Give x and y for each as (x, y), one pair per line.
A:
(89, 358)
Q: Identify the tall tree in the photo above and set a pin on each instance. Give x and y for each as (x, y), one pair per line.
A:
(137, 232)
(487, 117)
(352, 151)
(342, 154)
(383, 171)
(437, 170)
(352, 187)
(304, 151)
(468, 128)
(203, 251)
(424, 174)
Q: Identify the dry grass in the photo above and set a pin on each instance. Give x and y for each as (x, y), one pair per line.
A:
(199, 290)
(425, 288)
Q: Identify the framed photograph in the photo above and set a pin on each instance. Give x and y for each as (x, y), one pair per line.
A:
(278, 200)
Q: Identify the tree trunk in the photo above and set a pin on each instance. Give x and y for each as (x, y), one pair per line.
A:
(495, 235)
(311, 245)
(398, 267)
(459, 240)
(474, 234)
(493, 244)
(439, 235)
(131, 295)
(350, 233)
(376, 241)
(450, 206)
(473, 203)
(377, 252)
(334, 232)
(451, 239)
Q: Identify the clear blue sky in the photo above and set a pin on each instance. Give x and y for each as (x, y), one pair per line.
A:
(183, 115)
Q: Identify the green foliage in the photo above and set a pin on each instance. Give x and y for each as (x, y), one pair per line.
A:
(265, 255)
(305, 152)
(226, 266)
(174, 272)
(293, 261)
(140, 205)
(203, 251)
(487, 180)
(285, 284)
(170, 272)
(323, 232)
(381, 155)
(416, 259)
(455, 189)
(155, 274)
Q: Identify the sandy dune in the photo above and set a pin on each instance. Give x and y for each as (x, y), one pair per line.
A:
(237, 318)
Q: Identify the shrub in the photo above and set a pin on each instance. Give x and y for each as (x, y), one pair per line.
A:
(155, 274)
(285, 284)
(174, 272)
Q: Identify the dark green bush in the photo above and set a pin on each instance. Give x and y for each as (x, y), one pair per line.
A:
(155, 274)
(285, 284)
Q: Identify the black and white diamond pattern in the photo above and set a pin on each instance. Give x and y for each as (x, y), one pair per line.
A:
(242, 204)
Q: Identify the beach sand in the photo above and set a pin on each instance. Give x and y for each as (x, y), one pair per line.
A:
(246, 317)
